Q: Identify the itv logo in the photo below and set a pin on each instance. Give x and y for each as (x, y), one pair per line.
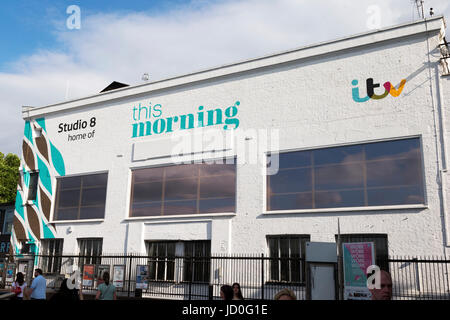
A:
(389, 88)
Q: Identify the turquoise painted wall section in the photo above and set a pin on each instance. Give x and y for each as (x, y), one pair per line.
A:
(46, 172)
(41, 122)
(44, 175)
(57, 159)
(28, 133)
(19, 206)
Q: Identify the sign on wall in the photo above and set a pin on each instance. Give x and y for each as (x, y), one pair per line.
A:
(10, 272)
(5, 242)
(141, 277)
(78, 130)
(149, 120)
(357, 257)
(88, 275)
(388, 87)
(118, 275)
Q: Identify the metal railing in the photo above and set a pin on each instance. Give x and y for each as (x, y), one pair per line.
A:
(426, 278)
(260, 277)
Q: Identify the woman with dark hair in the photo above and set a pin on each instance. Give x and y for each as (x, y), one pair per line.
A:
(226, 292)
(237, 293)
(106, 290)
(18, 287)
(66, 294)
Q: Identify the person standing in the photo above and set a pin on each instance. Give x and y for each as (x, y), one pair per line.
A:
(19, 286)
(38, 289)
(106, 290)
(66, 294)
(237, 293)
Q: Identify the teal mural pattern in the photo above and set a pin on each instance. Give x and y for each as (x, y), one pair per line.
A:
(32, 217)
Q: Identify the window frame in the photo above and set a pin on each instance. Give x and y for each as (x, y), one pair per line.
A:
(423, 205)
(52, 260)
(33, 189)
(56, 202)
(225, 161)
(303, 238)
(25, 247)
(8, 221)
(157, 260)
(180, 260)
(89, 258)
(2, 220)
(204, 263)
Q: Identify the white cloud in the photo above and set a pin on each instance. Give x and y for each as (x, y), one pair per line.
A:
(123, 46)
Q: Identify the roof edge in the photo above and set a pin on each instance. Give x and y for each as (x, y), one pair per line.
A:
(254, 63)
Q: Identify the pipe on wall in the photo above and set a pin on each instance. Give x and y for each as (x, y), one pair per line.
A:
(444, 170)
(441, 159)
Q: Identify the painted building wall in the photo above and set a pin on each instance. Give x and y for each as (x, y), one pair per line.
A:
(307, 101)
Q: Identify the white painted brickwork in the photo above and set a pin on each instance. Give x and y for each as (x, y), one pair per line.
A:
(306, 95)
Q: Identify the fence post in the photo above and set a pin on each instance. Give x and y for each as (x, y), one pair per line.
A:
(210, 292)
(129, 275)
(416, 267)
(192, 276)
(262, 276)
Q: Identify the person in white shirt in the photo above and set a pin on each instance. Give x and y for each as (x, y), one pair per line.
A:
(19, 285)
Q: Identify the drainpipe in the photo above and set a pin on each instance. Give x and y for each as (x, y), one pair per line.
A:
(443, 171)
(441, 168)
(444, 210)
(442, 118)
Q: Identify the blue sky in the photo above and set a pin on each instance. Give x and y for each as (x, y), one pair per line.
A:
(42, 62)
(30, 25)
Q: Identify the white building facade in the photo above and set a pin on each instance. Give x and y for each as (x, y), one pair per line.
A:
(357, 128)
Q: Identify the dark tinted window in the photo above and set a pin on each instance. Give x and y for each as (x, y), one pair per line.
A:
(197, 262)
(372, 174)
(287, 253)
(193, 263)
(32, 191)
(161, 257)
(81, 198)
(183, 189)
(51, 251)
(90, 250)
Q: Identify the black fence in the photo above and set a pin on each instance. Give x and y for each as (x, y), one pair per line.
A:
(420, 278)
(260, 277)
